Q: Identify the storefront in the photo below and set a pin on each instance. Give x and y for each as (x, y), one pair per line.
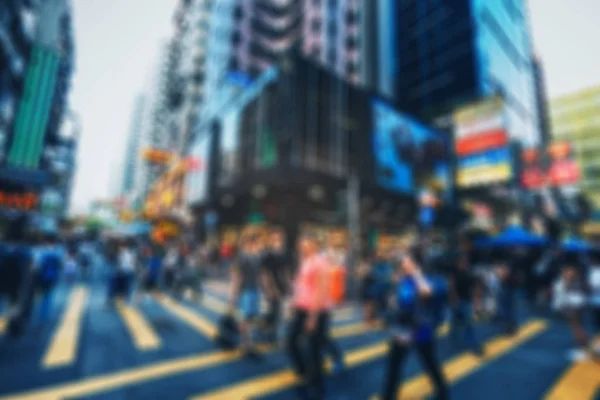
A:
(287, 156)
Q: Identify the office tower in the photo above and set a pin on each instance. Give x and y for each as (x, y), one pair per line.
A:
(331, 34)
(452, 53)
(265, 29)
(542, 102)
(378, 46)
(574, 119)
(133, 150)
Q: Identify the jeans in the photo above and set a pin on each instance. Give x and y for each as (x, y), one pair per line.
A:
(395, 361)
(462, 314)
(308, 366)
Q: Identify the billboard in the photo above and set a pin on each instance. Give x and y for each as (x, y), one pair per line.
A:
(482, 144)
(197, 178)
(406, 152)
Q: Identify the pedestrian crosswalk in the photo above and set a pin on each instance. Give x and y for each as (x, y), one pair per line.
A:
(63, 346)
(145, 333)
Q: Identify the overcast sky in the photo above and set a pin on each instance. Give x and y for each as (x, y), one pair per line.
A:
(117, 43)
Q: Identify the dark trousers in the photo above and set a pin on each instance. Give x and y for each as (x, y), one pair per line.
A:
(462, 316)
(273, 315)
(507, 303)
(308, 363)
(395, 362)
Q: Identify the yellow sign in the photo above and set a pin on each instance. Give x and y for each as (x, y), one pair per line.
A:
(157, 156)
(483, 174)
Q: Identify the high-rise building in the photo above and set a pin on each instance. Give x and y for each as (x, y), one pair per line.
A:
(133, 150)
(331, 34)
(37, 141)
(542, 102)
(452, 53)
(575, 118)
(265, 29)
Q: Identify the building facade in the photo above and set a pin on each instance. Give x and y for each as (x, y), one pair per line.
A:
(575, 118)
(38, 135)
(454, 53)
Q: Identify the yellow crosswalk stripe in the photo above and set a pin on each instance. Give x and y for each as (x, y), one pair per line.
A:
(3, 325)
(580, 381)
(63, 347)
(455, 369)
(160, 370)
(214, 304)
(140, 330)
(193, 319)
(113, 381)
(459, 367)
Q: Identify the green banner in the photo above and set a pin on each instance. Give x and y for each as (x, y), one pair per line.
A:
(34, 108)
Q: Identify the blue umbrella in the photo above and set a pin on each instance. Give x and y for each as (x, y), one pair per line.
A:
(516, 236)
(576, 245)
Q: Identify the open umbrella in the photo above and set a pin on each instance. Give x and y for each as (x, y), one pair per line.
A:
(576, 245)
(514, 236)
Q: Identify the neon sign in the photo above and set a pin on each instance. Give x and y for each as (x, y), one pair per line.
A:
(19, 201)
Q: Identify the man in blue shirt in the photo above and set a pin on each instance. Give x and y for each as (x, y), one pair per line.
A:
(419, 306)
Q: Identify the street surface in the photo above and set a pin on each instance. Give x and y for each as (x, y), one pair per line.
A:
(162, 349)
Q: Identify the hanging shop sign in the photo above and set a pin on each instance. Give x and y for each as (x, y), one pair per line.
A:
(564, 172)
(157, 156)
(559, 150)
(19, 201)
(533, 178)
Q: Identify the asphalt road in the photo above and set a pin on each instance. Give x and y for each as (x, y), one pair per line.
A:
(162, 349)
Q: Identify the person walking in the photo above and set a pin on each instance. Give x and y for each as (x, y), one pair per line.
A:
(336, 260)
(276, 281)
(245, 290)
(127, 265)
(463, 284)
(51, 263)
(413, 326)
(310, 318)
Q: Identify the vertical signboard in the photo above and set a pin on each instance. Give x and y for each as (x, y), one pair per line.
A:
(34, 108)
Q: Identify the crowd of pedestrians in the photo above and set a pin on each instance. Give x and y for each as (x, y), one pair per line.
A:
(410, 290)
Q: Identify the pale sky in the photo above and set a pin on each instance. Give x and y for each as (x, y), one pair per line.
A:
(117, 43)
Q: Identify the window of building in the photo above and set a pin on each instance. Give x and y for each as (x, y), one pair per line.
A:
(315, 25)
(315, 51)
(351, 17)
(351, 43)
(331, 57)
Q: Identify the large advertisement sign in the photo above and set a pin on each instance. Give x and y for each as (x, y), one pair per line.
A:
(197, 178)
(482, 144)
(406, 151)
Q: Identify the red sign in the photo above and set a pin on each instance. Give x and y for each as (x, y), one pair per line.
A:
(564, 172)
(19, 201)
(194, 164)
(481, 142)
(559, 150)
(533, 178)
(530, 156)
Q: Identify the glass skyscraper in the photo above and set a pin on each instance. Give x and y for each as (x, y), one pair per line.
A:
(453, 52)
